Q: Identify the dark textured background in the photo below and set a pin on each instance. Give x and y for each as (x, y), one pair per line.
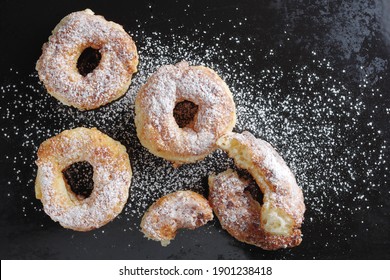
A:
(352, 35)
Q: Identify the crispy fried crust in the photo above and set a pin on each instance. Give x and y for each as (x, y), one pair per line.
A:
(111, 177)
(57, 66)
(239, 214)
(157, 129)
(181, 209)
(276, 223)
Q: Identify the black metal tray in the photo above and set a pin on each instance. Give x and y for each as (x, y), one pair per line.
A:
(310, 77)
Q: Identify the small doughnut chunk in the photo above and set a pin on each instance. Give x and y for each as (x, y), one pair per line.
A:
(57, 66)
(181, 209)
(274, 224)
(156, 100)
(111, 178)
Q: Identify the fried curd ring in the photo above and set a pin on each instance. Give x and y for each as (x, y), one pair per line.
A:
(276, 223)
(157, 129)
(181, 209)
(57, 66)
(111, 177)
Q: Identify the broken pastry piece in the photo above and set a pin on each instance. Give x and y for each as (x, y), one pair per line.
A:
(181, 209)
(276, 222)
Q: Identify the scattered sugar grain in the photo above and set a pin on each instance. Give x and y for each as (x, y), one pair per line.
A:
(314, 123)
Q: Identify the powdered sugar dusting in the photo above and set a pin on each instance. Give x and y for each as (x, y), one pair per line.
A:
(240, 214)
(111, 178)
(232, 205)
(270, 172)
(57, 65)
(157, 99)
(308, 112)
(182, 209)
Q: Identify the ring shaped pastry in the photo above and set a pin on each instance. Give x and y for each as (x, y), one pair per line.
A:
(111, 178)
(274, 224)
(57, 66)
(156, 126)
(181, 209)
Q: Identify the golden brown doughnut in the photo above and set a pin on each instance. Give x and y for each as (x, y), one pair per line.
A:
(111, 177)
(181, 209)
(57, 66)
(274, 224)
(156, 127)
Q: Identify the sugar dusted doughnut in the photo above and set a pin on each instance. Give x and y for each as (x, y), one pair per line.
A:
(111, 177)
(181, 209)
(156, 100)
(57, 66)
(274, 224)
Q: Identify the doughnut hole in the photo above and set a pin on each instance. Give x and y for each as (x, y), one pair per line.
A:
(88, 60)
(185, 113)
(78, 177)
(254, 190)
